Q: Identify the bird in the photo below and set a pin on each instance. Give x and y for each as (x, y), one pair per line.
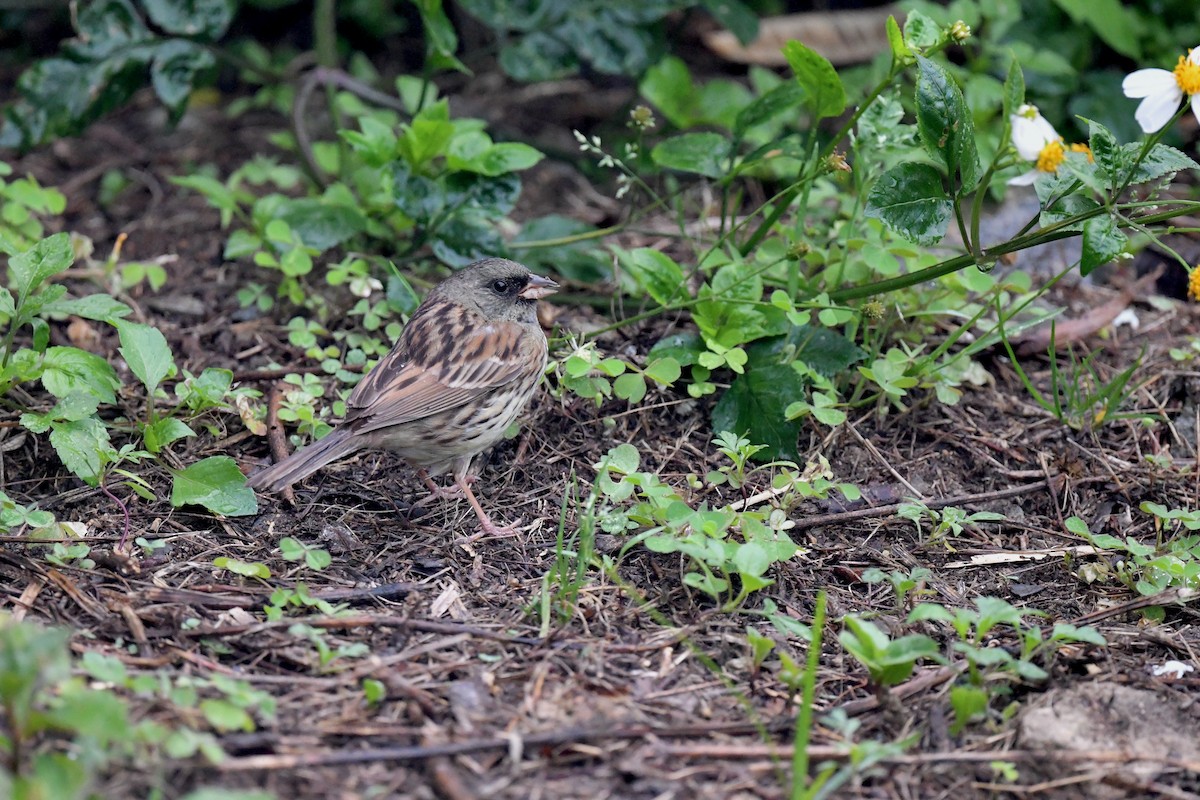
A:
(462, 371)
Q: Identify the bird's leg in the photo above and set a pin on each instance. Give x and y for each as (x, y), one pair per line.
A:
(436, 492)
(489, 528)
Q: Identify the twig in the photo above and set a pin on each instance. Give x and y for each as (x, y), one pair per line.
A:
(275, 434)
(958, 500)
(572, 736)
(564, 737)
(330, 77)
(366, 621)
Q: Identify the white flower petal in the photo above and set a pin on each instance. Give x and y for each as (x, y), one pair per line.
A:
(1196, 105)
(1027, 179)
(1030, 135)
(1146, 82)
(1156, 110)
(1194, 55)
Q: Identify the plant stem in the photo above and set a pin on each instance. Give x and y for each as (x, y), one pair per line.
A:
(805, 714)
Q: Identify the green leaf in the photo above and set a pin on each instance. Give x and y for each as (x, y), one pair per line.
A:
(44, 260)
(755, 406)
(250, 569)
(174, 71)
(1161, 160)
(163, 432)
(944, 123)
(99, 307)
(321, 225)
(669, 86)
(225, 716)
(83, 447)
(1102, 242)
(656, 273)
(197, 18)
(782, 98)
(921, 31)
(69, 369)
(969, 703)
(664, 370)
(630, 387)
(97, 715)
(146, 352)
(475, 152)
(740, 19)
(1108, 155)
(1014, 88)
(1116, 25)
(539, 56)
(217, 484)
(702, 153)
(910, 200)
(826, 95)
(901, 53)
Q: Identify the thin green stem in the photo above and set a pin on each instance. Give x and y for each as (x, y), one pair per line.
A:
(804, 716)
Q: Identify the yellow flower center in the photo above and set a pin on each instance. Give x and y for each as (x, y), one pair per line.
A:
(1051, 157)
(1194, 284)
(1080, 147)
(1187, 75)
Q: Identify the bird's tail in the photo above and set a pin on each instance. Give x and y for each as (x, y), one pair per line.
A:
(305, 461)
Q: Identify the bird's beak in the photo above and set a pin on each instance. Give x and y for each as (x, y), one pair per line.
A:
(538, 287)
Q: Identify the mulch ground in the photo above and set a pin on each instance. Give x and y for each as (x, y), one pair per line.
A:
(647, 690)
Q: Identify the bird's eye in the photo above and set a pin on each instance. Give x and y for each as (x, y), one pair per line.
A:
(500, 286)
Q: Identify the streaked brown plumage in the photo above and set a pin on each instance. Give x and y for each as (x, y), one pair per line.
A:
(465, 366)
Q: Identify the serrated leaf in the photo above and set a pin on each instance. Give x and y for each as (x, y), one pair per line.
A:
(1102, 242)
(911, 201)
(1107, 154)
(702, 153)
(944, 123)
(825, 93)
(921, 31)
(98, 307)
(83, 447)
(901, 53)
(1161, 160)
(68, 369)
(216, 484)
(39, 263)
(146, 352)
(1014, 88)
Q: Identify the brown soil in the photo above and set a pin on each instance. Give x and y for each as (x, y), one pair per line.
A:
(612, 703)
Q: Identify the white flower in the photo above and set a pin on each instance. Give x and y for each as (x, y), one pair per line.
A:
(1036, 141)
(1161, 91)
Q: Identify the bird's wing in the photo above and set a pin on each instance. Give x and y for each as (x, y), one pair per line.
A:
(446, 357)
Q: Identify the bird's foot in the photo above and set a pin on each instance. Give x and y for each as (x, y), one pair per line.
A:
(490, 530)
(436, 492)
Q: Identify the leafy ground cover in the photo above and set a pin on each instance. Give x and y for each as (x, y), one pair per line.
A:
(939, 578)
